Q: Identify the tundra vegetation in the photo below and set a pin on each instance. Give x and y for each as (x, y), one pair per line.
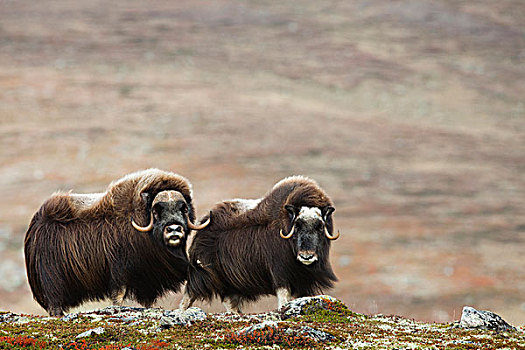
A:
(321, 322)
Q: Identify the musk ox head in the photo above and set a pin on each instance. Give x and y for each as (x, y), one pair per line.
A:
(309, 228)
(169, 218)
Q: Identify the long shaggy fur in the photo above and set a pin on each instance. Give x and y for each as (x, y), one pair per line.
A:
(240, 254)
(83, 247)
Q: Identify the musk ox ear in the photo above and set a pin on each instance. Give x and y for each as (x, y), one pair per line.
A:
(326, 212)
(155, 211)
(329, 227)
(292, 211)
(147, 199)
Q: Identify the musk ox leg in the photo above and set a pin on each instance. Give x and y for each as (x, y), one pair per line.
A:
(186, 301)
(117, 296)
(283, 296)
(232, 304)
(55, 311)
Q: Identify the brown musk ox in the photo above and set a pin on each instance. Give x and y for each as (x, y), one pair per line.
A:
(276, 245)
(128, 242)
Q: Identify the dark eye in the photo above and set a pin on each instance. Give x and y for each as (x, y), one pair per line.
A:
(319, 226)
(184, 208)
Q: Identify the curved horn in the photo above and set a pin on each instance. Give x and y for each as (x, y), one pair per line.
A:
(198, 227)
(288, 235)
(334, 237)
(143, 229)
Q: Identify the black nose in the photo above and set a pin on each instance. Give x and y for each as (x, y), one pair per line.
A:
(307, 256)
(174, 228)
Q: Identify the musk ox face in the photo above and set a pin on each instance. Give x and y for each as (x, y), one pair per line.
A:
(310, 229)
(170, 219)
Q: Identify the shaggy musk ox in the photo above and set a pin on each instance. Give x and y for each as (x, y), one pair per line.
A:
(127, 242)
(277, 245)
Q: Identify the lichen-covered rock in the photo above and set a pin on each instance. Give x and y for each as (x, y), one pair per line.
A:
(126, 311)
(312, 333)
(89, 333)
(14, 319)
(185, 318)
(266, 325)
(69, 317)
(306, 305)
(480, 319)
(124, 314)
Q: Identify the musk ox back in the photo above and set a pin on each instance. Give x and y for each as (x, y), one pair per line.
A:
(277, 245)
(126, 242)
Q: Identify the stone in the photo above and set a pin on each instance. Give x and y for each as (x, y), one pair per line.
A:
(69, 317)
(185, 318)
(89, 333)
(7, 317)
(266, 325)
(315, 334)
(115, 310)
(480, 319)
(300, 306)
(312, 333)
(21, 320)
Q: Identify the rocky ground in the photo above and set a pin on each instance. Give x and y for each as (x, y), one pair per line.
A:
(409, 113)
(319, 322)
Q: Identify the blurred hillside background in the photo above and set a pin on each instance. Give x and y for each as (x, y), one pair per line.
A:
(409, 113)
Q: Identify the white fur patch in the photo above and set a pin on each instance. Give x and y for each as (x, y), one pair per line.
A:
(283, 296)
(310, 213)
(307, 262)
(243, 205)
(85, 200)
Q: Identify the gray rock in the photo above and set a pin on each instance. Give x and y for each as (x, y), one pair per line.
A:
(298, 306)
(312, 333)
(21, 320)
(7, 317)
(480, 319)
(125, 313)
(185, 318)
(115, 310)
(89, 333)
(315, 334)
(257, 327)
(69, 317)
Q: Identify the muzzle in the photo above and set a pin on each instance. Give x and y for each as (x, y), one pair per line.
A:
(173, 235)
(307, 257)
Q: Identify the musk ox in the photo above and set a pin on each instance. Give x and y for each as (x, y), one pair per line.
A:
(276, 245)
(128, 242)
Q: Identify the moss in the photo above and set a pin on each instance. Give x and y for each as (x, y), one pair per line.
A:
(327, 312)
(331, 306)
(350, 329)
